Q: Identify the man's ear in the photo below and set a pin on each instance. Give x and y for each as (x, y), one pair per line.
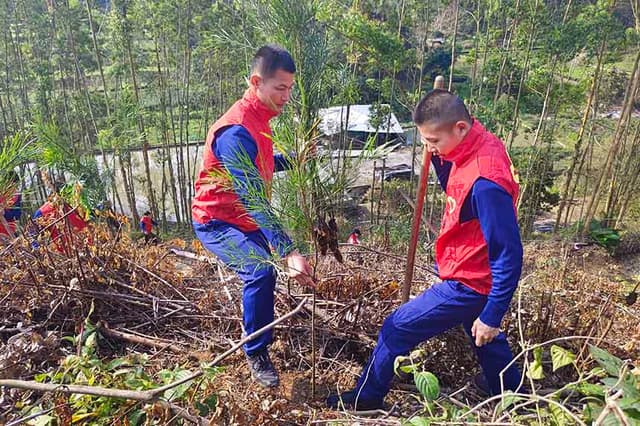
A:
(255, 80)
(463, 127)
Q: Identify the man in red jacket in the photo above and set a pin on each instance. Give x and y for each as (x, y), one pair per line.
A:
(65, 232)
(478, 255)
(231, 210)
(146, 227)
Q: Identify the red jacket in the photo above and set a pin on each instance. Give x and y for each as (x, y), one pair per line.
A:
(461, 251)
(14, 203)
(215, 198)
(58, 232)
(146, 224)
(353, 239)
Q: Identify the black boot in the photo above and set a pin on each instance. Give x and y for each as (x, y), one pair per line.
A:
(351, 401)
(262, 369)
(481, 385)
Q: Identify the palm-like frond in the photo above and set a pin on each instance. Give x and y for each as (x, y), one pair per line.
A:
(15, 151)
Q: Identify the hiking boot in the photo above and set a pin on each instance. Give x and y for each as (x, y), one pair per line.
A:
(350, 401)
(481, 385)
(262, 369)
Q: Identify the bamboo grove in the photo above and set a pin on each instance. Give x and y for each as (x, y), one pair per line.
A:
(108, 87)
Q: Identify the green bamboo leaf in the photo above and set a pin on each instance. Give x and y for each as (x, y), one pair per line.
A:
(561, 357)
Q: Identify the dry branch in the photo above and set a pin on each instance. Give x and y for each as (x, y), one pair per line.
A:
(148, 395)
(132, 338)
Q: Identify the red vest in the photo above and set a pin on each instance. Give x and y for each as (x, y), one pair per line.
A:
(215, 198)
(58, 232)
(461, 251)
(11, 223)
(147, 223)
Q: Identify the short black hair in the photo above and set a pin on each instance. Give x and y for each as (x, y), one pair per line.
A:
(440, 106)
(147, 213)
(356, 231)
(271, 58)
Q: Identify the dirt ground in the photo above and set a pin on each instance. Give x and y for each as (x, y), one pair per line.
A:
(564, 291)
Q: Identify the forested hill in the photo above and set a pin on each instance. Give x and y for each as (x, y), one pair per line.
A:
(557, 80)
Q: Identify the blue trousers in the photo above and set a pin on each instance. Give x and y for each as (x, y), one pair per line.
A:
(441, 307)
(248, 255)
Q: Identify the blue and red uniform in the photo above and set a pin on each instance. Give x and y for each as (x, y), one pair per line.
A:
(12, 213)
(479, 259)
(231, 210)
(146, 224)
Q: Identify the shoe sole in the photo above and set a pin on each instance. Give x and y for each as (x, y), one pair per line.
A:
(265, 384)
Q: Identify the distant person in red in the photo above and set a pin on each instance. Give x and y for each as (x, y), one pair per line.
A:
(146, 226)
(59, 233)
(354, 237)
(10, 206)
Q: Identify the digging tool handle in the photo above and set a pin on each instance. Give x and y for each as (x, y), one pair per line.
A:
(417, 212)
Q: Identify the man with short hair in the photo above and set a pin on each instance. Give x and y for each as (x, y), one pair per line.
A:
(231, 210)
(478, 255)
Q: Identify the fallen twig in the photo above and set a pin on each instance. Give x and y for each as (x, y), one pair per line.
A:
(148, 395)
(132, 338)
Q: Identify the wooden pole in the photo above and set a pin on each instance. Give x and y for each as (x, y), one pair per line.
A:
(417, 212)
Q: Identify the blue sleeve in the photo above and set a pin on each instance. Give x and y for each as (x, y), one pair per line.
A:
(36, 214)
(237, 151)
(153, 222)
(493, 207)
(442, 168)
(15, 211)
(142, 226)
(282, 162)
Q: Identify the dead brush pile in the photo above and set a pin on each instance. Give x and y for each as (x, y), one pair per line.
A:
(181, 310)
(179, 306)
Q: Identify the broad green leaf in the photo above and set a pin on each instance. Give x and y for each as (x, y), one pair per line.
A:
(40, 377)
(630, 386)
(561, 357)
(610, 382)
(210, 372)
(404, 364)
(508, 399)
(427, 384)
(589, 389)
(178, 391)
(44, 420)
(418, 421)
(610, 363)
(137, 417)
(535, 369)
(559, 416)
(117, 363)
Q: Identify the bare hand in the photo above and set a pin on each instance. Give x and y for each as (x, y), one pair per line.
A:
(483, 333)
(299, 269)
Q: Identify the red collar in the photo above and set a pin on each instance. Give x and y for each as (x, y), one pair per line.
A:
(468, 145)
(260, 110)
